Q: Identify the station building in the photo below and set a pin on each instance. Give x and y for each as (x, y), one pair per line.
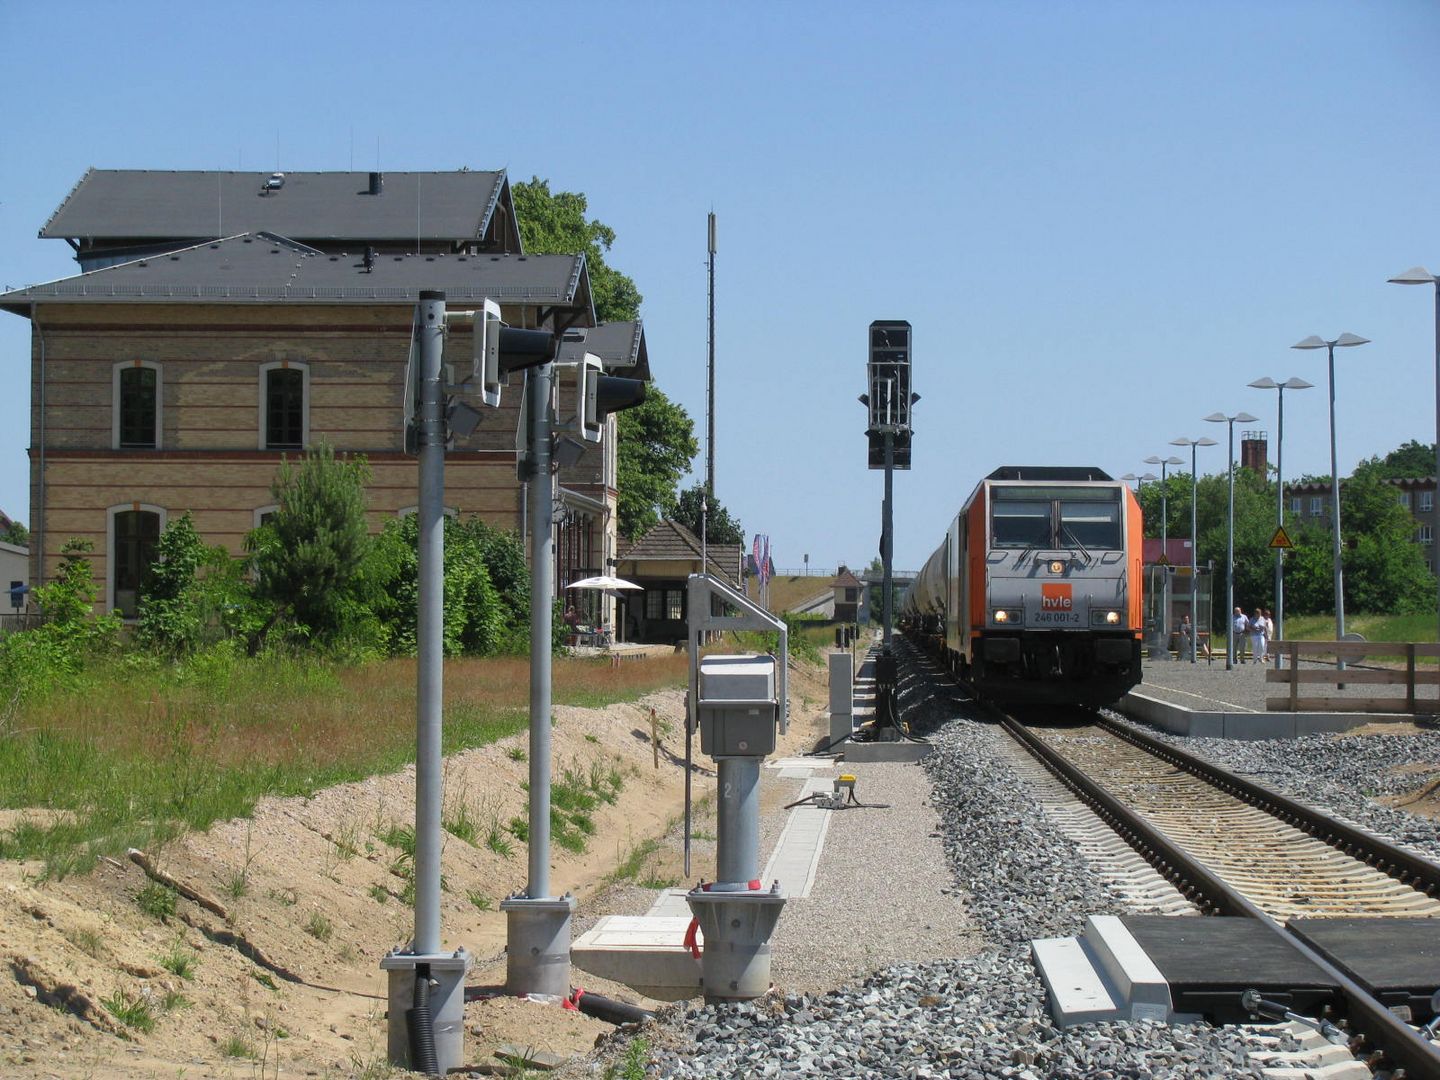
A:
(225, 320)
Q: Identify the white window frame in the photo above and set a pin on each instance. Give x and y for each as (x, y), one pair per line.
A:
(1297, 504)
(115, 401)
(1425, 534)
(1427, 502)
(304, 369)
(261, 511)
(110, 512)
(1405, 499)
(1316, 502)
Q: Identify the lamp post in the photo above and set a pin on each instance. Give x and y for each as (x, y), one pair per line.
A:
(1194, 543)
(1221, 418)
(1344, 341)
(1267, 383)
(1418, 275)
(1165, 463)
(1139, 479)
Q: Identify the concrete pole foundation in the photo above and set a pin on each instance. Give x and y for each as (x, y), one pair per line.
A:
(538, 945)
(735, 965)
(447, 1005)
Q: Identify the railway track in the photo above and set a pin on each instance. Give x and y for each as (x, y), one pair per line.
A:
(1235, 848)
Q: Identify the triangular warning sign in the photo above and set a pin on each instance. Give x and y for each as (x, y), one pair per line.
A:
(1281, 539)
(1162, 560)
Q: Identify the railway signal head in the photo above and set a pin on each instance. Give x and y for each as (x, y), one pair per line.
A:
(599, 395)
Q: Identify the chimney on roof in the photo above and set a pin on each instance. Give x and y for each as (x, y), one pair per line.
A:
(377, 183)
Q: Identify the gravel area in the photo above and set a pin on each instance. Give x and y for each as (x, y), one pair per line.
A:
(976, 1018)
(1243, 688)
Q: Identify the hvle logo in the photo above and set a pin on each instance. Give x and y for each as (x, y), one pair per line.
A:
(1056, 596)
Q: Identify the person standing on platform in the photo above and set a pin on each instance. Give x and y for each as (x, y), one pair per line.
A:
(1239, 629)
(1186, 636)
(1259, 638)
(1269, 632)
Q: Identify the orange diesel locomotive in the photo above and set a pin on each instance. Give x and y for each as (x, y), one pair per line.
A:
(1035, 594)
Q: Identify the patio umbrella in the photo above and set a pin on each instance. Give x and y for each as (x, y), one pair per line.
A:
(604, 581)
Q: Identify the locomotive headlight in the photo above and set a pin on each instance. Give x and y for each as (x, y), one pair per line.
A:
(1112, 618)
(1057, 567)
(1002, 616)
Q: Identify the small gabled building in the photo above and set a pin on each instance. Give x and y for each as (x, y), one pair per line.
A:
(183, 363)
(661, 562)
(847, 588)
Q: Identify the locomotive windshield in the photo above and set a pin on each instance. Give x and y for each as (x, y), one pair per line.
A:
(1024, 517)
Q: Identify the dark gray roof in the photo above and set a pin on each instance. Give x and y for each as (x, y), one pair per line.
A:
(261, 268)
(669, 541)
(621, 345)
(164, 204)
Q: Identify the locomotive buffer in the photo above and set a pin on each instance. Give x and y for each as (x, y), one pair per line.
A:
(888, 399)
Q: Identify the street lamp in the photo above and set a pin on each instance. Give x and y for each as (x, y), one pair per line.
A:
(1268, 383)
(1221, 418)
(1344, 341)
(1164, 463)
(1418, 275)
(1139, 479)
(1194, 545)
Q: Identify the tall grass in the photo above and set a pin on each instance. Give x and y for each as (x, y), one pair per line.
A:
(138, 751)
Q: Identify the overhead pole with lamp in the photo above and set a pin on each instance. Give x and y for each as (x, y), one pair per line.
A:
(1346, 340)
(1267, 383)
(1418, 275)
(1221, 418)
(1194, 542)
(1164, 463)
(1139, 480)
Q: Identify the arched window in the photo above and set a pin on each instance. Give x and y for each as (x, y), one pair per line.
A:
(284, 405)
(133, 534)
(136, 409)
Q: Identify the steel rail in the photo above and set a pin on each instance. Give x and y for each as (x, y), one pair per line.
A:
(1401, 1044)
(1407, 867)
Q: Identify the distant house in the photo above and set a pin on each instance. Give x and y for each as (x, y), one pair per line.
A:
(847, 595)
(660, 562)
(1308, 502)
(225, 320)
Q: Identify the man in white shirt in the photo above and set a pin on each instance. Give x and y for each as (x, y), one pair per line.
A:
(1239, 629)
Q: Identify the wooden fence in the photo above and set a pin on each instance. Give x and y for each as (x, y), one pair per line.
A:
(1393, 663)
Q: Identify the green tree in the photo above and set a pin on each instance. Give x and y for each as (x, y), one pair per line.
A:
(1414, 458)
(69, 599)
(555, 223)
(1384, 569)
(195, 594)
(307, 556)
(15, 533)
(656, 443)
(721, 526)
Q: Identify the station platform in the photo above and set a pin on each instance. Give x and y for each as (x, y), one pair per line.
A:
(1181, 969)
(1205, 700)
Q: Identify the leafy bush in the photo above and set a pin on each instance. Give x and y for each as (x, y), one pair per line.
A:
(306, 557)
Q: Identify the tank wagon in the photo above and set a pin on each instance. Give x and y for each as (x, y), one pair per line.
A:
(1034, 596)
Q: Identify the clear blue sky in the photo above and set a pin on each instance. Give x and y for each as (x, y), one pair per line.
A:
(1103, 219)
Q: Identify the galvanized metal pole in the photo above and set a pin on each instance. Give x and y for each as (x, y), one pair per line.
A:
(1194, 565)
(1335, 514)
(737, 826)
(541, 558)
(710, 379)
(1280, 520)
(430, 626)
(1165, 555)
(1230, 559)
(1435, 499)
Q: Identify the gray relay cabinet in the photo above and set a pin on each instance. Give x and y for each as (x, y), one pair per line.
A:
(736, 706)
